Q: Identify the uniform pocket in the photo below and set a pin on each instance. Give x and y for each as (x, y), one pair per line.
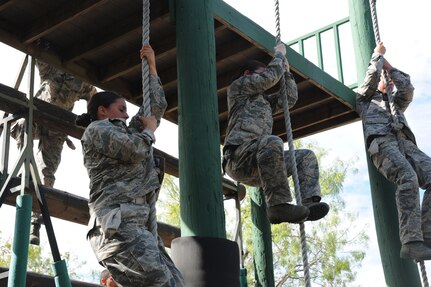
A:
(110, 222)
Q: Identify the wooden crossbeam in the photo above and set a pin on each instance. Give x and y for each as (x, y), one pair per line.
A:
(74, 208)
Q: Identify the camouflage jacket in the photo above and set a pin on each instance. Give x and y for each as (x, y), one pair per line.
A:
(120, 164)
(60, 88)
(250, 109)
(373, 106)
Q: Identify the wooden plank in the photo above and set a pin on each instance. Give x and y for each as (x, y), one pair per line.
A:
(74, 208)
(66, 14)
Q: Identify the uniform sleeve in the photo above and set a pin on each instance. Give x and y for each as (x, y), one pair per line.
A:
(404, 94)
(45, 70)
(157, 96)
(114, 142)
(158, 103)
(372, 78)
(259, 83)
(87, 91)
(276, 99)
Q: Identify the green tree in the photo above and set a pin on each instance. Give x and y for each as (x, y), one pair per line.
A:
(335, 244)
(39, 261)
(169, 201)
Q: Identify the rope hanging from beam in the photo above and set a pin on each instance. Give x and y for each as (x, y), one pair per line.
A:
(395, 122)
(283, 94)
(146, 103)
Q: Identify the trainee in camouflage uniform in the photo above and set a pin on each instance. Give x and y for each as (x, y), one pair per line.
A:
(63, 90)
(119, 160)
(397, 157)
(255, 157)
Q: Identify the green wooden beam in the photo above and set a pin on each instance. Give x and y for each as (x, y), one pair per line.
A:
(266, 41)
(202, 210)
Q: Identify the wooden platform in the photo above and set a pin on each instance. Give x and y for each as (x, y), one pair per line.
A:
(99, 40)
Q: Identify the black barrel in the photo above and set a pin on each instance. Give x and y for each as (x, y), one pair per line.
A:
(207, 261)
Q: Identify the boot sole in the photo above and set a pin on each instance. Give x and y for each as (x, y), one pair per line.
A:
(318, 211)
(298, 219)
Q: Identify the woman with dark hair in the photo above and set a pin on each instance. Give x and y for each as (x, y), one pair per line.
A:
(123, 176)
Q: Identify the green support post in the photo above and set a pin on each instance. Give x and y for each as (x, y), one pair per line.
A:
(398, 272)
(202, 212)
(18, 263)
(202, 253)
(262, 240)
(243, 277)
(61, 276)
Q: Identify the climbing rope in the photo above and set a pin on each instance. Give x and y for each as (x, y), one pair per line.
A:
(283, 93)
(395, 122)
(146, 104)
(397, 126)
(424, 274)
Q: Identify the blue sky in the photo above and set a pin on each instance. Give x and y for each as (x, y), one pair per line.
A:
(404, 30)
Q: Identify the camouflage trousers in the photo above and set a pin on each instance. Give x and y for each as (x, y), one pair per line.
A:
(133, 255)
(403, 163)
(48, 156)
(262, 162)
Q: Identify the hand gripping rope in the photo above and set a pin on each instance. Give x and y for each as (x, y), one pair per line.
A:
(395, 122)
(283, 94)
(146, 103)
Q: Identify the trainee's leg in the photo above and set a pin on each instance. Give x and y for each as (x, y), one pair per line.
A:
(392, 164)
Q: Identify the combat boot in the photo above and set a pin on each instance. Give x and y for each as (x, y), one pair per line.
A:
(318, 209)
(286, 212)
(35, 234)
(416, 250)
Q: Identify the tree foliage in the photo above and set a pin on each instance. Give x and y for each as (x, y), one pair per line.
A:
(334, 244)
(39, 260)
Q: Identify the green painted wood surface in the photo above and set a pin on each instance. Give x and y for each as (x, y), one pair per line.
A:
(202, 212)
(262, 240)
(19, 258)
